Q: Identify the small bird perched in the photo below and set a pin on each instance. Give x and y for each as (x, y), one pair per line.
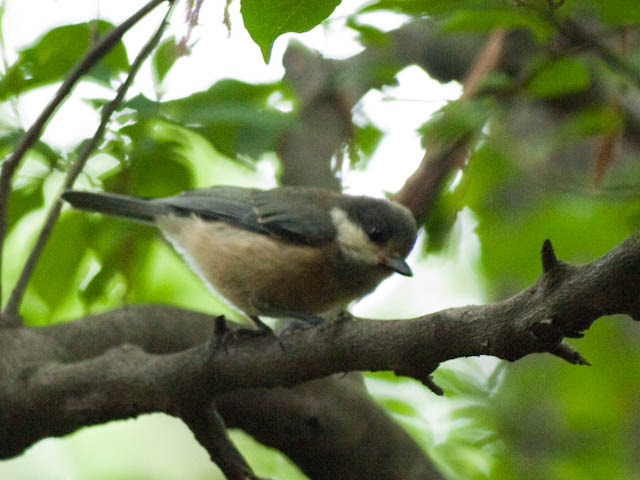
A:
(290, 252)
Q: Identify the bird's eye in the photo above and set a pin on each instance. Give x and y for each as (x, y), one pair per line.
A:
(376, 235)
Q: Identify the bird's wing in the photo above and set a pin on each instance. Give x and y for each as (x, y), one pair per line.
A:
(298, 216)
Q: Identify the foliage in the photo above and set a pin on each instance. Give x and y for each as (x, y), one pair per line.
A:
(529, 177)
(267, 20)
(55, 53)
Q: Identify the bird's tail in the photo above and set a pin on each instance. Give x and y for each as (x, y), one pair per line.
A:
(113, 204)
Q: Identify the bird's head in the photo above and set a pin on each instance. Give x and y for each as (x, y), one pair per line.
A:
(374, 232)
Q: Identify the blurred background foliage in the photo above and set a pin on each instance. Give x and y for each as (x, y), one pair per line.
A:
(554, 155)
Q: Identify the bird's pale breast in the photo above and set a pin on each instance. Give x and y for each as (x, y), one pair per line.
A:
(262, 275)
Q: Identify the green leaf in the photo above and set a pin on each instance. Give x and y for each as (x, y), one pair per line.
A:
(441, 220)
(432, 7)
(156, 166)
(57, 270)
(96, 289)
(234, 116)
(52, 56)
(120, 246)
(517, 211)
(591, 121)
(560, 77)
(617, 11)
(368, 35)
(163, 59)
(487, 20)
(456, 382)
(24, 200)
(398, 407)
(226, 92)
(145, 108)
(455, 120)
(11, 137)
(367, 138)
(267, 20)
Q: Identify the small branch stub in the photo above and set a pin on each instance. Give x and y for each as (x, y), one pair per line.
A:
(635, 313)
(549, 260)
(219, 326)
(548, 334)
(425, 378)
(567, 353)
(431, 385)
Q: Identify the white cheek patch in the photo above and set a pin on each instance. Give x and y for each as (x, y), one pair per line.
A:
(354, 243)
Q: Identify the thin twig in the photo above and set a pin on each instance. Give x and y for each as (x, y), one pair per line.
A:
(32, 135)
(421, 189)
(485, 62)
(11, 310)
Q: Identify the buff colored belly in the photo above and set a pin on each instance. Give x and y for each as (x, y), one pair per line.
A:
(258, 274)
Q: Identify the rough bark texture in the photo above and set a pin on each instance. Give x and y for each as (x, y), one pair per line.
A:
(143, 359)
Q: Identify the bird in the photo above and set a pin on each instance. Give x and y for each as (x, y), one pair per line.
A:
(289, 252)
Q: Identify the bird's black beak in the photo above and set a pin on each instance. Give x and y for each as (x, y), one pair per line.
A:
(398, 265)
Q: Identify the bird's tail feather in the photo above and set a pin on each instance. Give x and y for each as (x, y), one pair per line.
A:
(113, 204)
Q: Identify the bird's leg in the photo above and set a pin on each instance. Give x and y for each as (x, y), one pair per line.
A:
(301, 321)
(222, 334)
(263, 328)
(268, 310)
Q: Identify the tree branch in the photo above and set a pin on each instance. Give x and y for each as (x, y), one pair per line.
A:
(92, 57)
(207, 425)
(330, 428)
(50, 388)
(11, 310)
(421, 189)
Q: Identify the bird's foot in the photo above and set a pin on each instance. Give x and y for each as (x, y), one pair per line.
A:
(301, 322)
(223, 334)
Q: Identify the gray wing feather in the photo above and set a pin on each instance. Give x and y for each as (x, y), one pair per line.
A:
(299, 215)
(232, 204)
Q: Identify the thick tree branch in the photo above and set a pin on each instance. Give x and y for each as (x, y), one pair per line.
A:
(330, 428)
(267, 415)
(54, 390)
(118, 367)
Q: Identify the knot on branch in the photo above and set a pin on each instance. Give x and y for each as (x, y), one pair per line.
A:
(547, 333)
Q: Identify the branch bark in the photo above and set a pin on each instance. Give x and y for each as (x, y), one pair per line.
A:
(330, 428)
(207, 425)
(143, 359)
